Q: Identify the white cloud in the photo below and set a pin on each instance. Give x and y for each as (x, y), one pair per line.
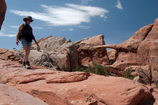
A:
(36, 27)
(84, 27)
(69, 15)
(16, 27)
(67, 29)
(85, 1)
(119, 6)
(71, 29)
(7, 35)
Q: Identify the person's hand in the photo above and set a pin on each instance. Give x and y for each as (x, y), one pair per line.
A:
(17, 42)
(38, 48)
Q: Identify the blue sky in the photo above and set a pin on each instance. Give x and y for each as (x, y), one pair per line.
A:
(117, 20)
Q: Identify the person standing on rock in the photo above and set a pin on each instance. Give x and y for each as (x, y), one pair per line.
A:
(25, 35)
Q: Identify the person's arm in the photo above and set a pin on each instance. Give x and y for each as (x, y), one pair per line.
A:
(38, 47)
(17, 36)
(35, 40)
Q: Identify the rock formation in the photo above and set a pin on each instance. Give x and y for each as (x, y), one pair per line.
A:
(58, 52)
(3, 8)
(87, 56)
(52, 87)
(12, 96)
(75, 88)
(140, 50)
(8, 55)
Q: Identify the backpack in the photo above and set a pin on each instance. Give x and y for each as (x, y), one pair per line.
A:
(21, 32)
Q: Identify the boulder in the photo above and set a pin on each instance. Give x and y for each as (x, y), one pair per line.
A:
(112, 54)
(8, 55)
(39, 58)
(86, 56)
(61, 59)
(63, 52)
(50, 43)
(42, 59)
(74, 88)
(12, 96)
(144, 73)
(3, 8)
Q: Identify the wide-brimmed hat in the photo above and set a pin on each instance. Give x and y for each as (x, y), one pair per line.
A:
(28, 18)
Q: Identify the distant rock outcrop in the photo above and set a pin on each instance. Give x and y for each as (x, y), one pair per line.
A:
(140, 50)
(87, 56)
(3, 8)
(59, 52)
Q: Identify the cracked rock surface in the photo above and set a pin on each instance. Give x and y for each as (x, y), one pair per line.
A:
(74, 88)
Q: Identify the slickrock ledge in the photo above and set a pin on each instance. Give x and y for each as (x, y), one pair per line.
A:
(12, 96)
(74, 88)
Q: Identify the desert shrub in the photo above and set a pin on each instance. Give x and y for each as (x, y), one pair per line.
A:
(78, 68)
(53, 62)
(113, 73)
(99, 69)
(94, 68)
(128, 74)
(65, 68)
(111, 62)
(45, 46)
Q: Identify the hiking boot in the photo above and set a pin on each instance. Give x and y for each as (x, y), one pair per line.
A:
(23, 65)
(28, 65)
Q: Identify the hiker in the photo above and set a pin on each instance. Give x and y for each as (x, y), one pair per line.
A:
(25, 35)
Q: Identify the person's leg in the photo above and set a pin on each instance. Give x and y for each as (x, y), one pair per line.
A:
(26, 53)
(27, 48)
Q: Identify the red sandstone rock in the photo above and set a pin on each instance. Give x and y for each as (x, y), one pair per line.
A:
(86, 55)
(12, 96)
(63, 52)
(112, 54)
(8, 55)
(3, 8)
(3, 50)
(139, 50)
(155, 95)
(64, 88)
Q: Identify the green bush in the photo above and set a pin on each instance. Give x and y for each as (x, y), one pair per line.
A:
(65, 68)
(111, 62)
(128, 74)
(54, 62)
(78, 68)
(94, 68)
(100, 70)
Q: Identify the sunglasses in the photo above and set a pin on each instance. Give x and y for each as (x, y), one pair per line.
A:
(29, 20)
